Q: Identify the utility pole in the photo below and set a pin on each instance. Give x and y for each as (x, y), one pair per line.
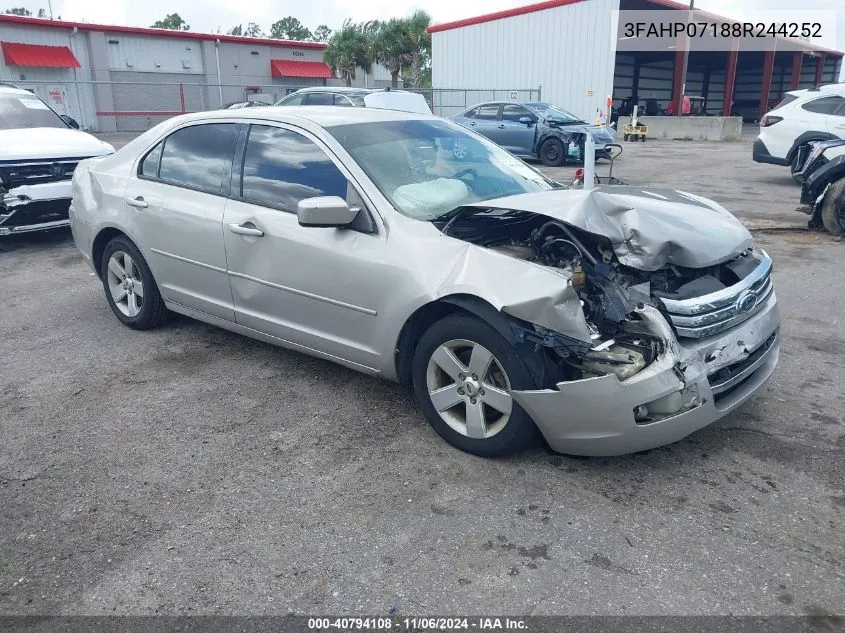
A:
(686, 61)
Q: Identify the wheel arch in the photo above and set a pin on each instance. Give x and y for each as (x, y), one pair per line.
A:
(98, 246)
(426, 315)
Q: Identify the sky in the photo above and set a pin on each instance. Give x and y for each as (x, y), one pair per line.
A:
(211, 15)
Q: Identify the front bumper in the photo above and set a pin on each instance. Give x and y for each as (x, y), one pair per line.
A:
(760, 154)
(35, 208)
(690, 385)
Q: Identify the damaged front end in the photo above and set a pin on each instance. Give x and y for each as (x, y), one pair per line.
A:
(36, 207)
(641, 355)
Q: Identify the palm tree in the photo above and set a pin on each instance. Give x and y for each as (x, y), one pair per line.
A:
(392, 48)
(418, 54)
(346, 51)
(369, 31)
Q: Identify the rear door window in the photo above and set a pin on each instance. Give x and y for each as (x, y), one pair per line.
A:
(282, 167)
(319, 98)
(825, 105)
(487, 112)
(199, 156)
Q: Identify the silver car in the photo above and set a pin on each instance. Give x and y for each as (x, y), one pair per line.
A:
(611, 320)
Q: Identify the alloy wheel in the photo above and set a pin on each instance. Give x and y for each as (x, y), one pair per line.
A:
(469, 388)
(125, 284)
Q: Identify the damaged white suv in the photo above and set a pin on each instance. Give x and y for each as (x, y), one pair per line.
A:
(610, 321)
(39, 150)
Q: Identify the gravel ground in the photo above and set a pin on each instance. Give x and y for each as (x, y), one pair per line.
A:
(190, 470)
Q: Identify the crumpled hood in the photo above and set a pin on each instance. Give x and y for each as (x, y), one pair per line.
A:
(601, 134)
(49, 142)
(648, 228)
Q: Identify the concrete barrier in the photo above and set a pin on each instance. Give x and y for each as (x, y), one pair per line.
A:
(688, 128)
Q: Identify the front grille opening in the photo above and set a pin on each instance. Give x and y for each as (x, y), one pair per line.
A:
(727, 392)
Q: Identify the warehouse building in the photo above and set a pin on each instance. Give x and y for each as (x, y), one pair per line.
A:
(123, 78)
(571, 50)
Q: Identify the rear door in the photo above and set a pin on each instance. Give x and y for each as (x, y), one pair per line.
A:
(485, 120)
(175, 207)
(836, 119)
(314, 287)
(515, 136)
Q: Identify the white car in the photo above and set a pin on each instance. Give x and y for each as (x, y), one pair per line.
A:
(39, 150)
(804, 116)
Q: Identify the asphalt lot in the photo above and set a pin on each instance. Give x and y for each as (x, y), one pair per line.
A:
(190, 470)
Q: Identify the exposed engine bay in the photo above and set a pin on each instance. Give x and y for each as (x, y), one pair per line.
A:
(611, 294)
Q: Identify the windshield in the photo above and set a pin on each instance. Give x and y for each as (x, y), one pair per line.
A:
(427, 168)
(26, 111)
(553, 113)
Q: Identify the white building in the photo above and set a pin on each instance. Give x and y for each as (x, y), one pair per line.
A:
(568, 49)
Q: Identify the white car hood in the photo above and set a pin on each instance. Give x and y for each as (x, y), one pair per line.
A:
(49, 142)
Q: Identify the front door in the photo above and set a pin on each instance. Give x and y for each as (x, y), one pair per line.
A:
(517, 137)
(314, 287)
(174, 208)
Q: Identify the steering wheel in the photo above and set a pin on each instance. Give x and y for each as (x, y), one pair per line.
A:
(462, 176)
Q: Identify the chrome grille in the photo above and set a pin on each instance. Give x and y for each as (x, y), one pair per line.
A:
(719, 311)
(36, 172)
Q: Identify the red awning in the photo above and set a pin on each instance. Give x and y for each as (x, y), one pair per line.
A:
(17, 54)
(290, 68)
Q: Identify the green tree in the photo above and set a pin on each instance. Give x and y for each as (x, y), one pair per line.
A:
(392, 48)
(173, 22)
(346, 51)
(251, 30)
(22, 11)
(418, 40)
(322, 33)
(289, 28)
(42, 13)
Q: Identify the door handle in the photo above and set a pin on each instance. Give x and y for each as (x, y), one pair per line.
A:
(242, 229)
(502, 126)
(137, 202)
(472, 123)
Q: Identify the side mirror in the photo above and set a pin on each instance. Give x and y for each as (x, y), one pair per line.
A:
(326, 211)
(526, 120)
(70, 121)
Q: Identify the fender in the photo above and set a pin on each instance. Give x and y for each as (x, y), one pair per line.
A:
(807, 137)
(827, 174)
(551, 132)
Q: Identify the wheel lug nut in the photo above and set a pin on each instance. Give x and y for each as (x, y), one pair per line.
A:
(460, 392)
(474, 377)
(481, 392)
(461, 376)
(472, 400)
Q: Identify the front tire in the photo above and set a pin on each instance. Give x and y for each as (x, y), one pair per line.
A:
(463, 375)
(830, 208)
(552, 152)
(130, 289)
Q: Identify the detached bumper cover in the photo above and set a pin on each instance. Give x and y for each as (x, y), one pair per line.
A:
(35, 208)
(760, 154)
(689, 386)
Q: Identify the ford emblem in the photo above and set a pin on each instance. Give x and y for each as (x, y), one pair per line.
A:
(746, 302)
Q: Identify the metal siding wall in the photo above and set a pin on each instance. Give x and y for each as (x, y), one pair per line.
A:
(136, 53)
(566, 50)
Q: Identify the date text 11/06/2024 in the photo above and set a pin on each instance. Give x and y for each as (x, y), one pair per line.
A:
(417, 624)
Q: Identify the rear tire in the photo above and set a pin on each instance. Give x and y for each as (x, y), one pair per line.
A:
(830, 208)
(553, 152)
(463, 374)
(131, 291)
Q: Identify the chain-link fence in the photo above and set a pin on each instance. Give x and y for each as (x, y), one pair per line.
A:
(108, 106)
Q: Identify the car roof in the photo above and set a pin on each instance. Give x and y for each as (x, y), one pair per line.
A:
(340, 89)
(324, 116)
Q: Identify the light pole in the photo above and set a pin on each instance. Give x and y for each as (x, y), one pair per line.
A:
(680, 111)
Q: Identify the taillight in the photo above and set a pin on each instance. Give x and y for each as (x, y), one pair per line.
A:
(770, 120)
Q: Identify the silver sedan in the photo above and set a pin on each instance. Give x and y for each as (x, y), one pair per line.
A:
(610, 321)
